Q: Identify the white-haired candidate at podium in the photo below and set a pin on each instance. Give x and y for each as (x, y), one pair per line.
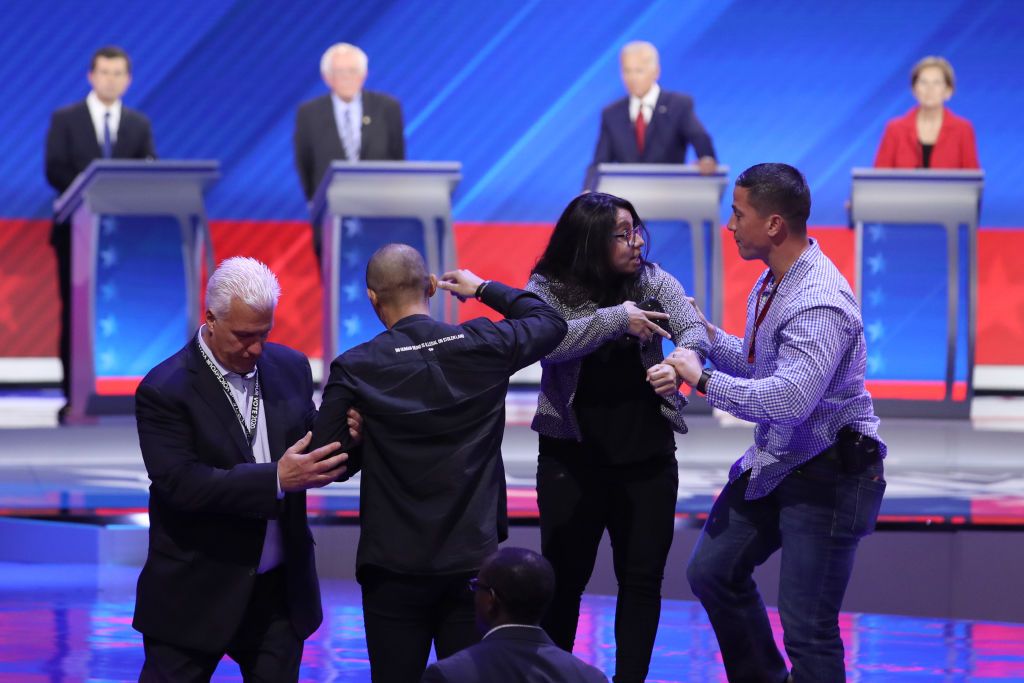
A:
(349, 123)
(650, 125)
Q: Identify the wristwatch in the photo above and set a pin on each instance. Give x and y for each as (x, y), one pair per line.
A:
(702, 383)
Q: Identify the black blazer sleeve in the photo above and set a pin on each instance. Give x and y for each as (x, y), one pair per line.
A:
(59, 162)
(693, 130)
(184, 480)
(602, 153)
(396, 132)
(531, 328)
(332, 419)
(144, 147)
(302, 143)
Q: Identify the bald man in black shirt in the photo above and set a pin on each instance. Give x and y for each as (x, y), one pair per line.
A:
(432, 495)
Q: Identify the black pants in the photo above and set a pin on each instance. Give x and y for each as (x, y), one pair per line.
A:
(265, 646)
(636, 503)
(60, 239)
(404, 614)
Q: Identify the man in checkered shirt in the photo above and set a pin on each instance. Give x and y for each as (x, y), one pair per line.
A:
(812, 481)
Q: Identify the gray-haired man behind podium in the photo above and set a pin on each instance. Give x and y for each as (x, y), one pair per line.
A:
(349, 123)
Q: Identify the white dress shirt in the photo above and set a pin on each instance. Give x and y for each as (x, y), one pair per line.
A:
(355, 113)
(243, 388)
(645, 104)
(498, 628)
(97, 110)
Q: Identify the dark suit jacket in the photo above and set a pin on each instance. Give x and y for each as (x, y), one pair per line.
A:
(673, 127)
(432, 396)
(209, 501)
(318, 142)
(71, 143)
(515, 654)
(954, 148)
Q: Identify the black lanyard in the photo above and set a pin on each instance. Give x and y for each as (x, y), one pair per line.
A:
(759, 315)
(254, 413)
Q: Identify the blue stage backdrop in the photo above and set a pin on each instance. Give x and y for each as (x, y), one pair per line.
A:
(513, 90)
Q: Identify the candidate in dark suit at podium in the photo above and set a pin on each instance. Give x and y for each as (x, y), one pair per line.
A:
(649, 125)
(98, 127)
(348, 124)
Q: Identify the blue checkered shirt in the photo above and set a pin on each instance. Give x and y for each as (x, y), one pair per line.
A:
(807, 379)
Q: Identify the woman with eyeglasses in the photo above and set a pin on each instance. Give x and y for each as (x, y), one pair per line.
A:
(606, 413)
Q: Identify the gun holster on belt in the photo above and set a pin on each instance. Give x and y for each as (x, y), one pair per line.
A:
(857, 452)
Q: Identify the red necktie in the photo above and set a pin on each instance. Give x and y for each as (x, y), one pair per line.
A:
(641, 130)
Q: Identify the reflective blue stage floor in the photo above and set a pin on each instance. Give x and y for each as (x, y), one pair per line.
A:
(70, 623)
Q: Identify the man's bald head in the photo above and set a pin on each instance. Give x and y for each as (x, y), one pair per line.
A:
(397, 274)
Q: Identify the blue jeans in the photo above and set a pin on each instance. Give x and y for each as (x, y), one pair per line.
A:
(817, 515)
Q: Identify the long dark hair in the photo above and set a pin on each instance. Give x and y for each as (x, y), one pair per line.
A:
(577, 257)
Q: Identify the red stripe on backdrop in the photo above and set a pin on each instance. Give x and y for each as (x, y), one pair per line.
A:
(915, 390)
(287, 248)
(739, 276)
(117, 386)
(1000, 320)
(29, 300)
(505, 252)
(29, 306)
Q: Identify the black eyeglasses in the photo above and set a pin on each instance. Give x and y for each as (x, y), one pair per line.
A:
(628, 236)
(477, 585)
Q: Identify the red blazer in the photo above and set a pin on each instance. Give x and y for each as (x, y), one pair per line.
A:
(954, 148)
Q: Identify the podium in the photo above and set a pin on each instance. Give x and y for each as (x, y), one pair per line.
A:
(681, 209)
(916, 279)
(361, 206)
(139, 235)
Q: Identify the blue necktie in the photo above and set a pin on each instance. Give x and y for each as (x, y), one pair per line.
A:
(348, 137)
(106, 136)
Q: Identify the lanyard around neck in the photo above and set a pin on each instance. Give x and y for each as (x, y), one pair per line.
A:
(254, 413)
(759, 314)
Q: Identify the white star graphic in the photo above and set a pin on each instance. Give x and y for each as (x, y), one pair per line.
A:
(108, 326)
(352, 257)
(108, 226)
(876, 296)
(352, 326)
(876, 364)
(108, 257)
(353, 226)
(108, 359)
(351, 291)
(876, 232)
(876, 331)
(877, 264)
(108, 291)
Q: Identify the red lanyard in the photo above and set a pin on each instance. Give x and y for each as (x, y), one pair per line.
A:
(759, 315)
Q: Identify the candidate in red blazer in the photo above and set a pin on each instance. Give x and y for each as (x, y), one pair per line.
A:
(929, 135)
